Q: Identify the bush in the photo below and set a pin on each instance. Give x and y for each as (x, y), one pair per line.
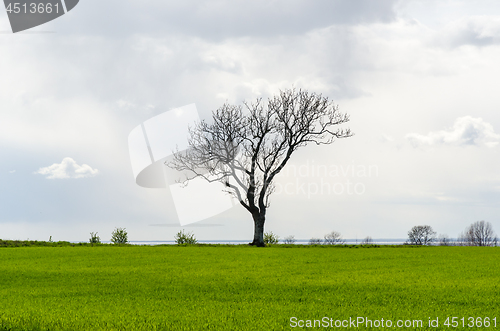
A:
(315, 241)
(367, 241)
(444, 240)
(333, 238)
(271, 238)
(119, 236)
(185, 238)
(94, 238)
(290, 240)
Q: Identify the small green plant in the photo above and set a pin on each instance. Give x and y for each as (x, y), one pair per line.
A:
(119, 236)
(290, 240)
(270, 238)
(185, 238)
(94, 238)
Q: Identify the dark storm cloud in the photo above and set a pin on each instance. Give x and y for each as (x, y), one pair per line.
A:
(225, 18)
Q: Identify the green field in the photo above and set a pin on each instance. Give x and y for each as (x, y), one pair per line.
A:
(242, 287)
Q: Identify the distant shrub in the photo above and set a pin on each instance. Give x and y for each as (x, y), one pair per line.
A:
(367, 241)
(289, 240)
(333, 238)
(185, 238)
(444, 240)
(119, 236)
(271, 238)
(315, 241)
(34, 243)
(94, 238)
(479, 234)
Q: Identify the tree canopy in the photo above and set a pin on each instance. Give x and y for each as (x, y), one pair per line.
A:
(245, 147)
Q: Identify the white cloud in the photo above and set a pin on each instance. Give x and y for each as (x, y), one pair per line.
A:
(386, 138)
(67, 169)
(125, 104)
(466, 130)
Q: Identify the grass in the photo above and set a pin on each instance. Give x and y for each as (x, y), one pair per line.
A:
(217, 287)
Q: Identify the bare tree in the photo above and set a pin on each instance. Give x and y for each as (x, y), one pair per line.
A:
(421, 235)
(367, 241)
(290, 240)
(333, 238)
(245, 150)
(479, 233)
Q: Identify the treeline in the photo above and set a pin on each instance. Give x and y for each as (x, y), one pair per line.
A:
(118, 236)
(477, 234)
(36, 243)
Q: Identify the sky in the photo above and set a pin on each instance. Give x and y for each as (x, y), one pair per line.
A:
(419, 79)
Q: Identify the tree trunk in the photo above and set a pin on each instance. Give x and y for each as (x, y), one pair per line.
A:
(258, 236)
